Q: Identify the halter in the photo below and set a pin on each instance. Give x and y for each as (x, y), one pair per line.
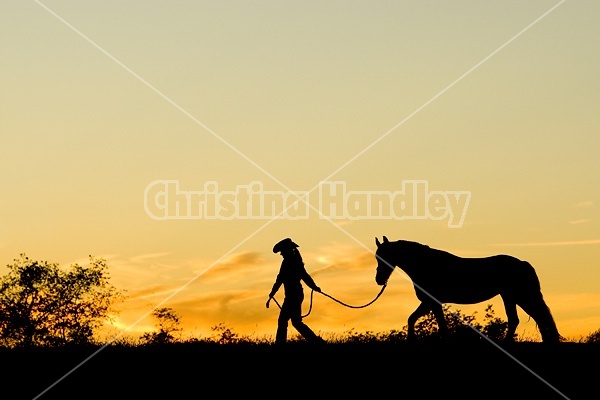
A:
(336, 300)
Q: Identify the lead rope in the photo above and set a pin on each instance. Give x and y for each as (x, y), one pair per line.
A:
(336, 300)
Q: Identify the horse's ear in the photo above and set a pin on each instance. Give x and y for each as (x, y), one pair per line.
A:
(377, 242)
(385, 240)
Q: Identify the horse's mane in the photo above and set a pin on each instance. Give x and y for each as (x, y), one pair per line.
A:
(424, 250)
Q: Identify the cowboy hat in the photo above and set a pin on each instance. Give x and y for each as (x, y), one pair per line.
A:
(284, 244)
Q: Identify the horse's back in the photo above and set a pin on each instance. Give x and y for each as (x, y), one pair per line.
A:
(500, 268)
(492, 266)
(473, 280)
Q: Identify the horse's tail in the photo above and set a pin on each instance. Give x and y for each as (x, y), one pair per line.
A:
(545, 321)
(535, 305)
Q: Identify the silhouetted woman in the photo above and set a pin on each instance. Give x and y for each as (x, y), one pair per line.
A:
(291, 274)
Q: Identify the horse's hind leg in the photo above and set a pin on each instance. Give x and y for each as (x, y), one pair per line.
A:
(513, 319)
(537, 308)
(422, 310)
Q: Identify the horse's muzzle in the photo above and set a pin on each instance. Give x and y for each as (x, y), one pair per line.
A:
(381, 282)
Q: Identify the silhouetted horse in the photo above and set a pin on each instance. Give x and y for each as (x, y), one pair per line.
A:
(441, 277)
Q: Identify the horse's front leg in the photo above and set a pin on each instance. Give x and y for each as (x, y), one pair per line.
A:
(422, 310)
(438, 312)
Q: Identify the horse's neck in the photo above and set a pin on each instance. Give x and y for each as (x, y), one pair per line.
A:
(415, 255)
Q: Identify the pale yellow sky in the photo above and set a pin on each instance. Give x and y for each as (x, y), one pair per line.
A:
(497, 99)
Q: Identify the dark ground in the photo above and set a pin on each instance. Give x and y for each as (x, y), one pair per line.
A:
(434, 370)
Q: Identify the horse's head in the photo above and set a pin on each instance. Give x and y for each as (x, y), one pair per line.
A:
(385, 262)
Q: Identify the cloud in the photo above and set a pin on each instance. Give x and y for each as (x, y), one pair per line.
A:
(587, 203)
(150, 291)
(215, 303)
(232, 268)
(579, 221)
(242, 258)
(147, 256)
(544, 244)
(336, 256)
(234, 292)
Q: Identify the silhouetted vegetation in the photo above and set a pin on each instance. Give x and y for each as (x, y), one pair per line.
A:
(42, 304)
(593, 337)
(460, 326)
(168, 324)
(48, 317)
(224, 335)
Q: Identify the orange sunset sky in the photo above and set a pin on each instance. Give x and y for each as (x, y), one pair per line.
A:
(149, 132)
